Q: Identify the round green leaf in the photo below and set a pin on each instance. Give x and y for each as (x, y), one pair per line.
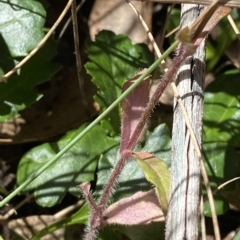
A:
(21, 25)
(114, 60)
(76, 166)
(18, 92)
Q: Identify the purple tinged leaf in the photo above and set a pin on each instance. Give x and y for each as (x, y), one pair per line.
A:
(133, 107)
(140, 208)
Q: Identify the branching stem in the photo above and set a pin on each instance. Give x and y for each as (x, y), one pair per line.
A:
(183, 52)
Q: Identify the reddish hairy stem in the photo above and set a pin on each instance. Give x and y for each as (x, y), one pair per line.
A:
(183, 52)
(113, 178)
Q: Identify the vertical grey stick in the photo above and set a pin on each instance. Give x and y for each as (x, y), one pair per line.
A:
(184, 206)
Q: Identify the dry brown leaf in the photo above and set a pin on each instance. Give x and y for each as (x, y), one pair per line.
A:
(117, 16)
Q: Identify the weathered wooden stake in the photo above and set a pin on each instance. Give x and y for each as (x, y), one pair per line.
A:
(184, 206)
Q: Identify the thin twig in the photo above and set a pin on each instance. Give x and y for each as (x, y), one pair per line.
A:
(172, 32)
(169, 11)
(78, 58)
(230, 3)
(14, 210)
(40, 45)
(226, 183)
(58, 215)
(145, 26)
(203, 224)
(234, 26)
(70, 19)
(64, 212)
(150, 36)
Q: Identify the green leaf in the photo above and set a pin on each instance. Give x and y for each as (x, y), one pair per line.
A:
(156, 172)
(21, 29)
(21, 25)
(80, 217)
(107, 234)
(221, 206)
(221, 163)
(45, 3)
(222, 109)
(159, 143)
(114, 60)
(152, 231)
(221, 133)
(76, 166)
(17, 93)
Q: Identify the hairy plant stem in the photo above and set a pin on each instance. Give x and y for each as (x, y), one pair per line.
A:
(113, 179)
(183, 52)
(97, 216)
